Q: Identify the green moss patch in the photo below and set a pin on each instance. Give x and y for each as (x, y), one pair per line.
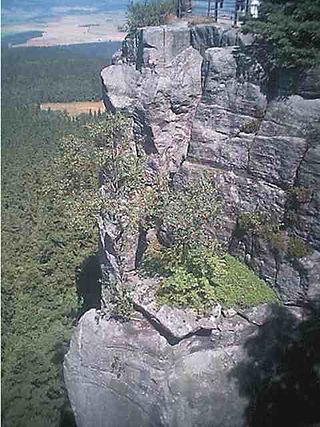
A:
(210, 279)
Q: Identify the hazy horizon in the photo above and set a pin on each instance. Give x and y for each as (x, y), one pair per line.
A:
(64, 21)
(16, 13)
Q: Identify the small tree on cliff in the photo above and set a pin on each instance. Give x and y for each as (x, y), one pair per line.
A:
(288, 32)
(149, 13)
(128, 202)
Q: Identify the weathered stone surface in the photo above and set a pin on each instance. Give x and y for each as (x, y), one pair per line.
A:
(308, 208)
(163, 44)
(120, 86)
(214, 110)
(283, 131)
(257, 152)
(269, 159)
(205, 36)
(162, 102)
(288, 281)
(309, 86)
(311, 268)
(127, 374)
(195, 98)
(180, 322)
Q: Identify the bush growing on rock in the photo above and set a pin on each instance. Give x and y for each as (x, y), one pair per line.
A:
(149, 13)
(251, 127)
(297, 248)
(277, 234)
(188, 214)
(128, 202)
(288, 32)
(206, 279)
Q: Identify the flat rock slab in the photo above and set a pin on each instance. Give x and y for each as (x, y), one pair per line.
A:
(126, 374)
(175, 321)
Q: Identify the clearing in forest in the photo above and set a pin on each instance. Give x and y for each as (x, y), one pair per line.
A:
(75, 108)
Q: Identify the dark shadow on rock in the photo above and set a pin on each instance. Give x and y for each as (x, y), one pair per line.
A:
(281, 374)
(88, 282)
(67, 418)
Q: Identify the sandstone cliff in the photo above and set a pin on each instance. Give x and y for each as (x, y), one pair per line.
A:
(196, 95)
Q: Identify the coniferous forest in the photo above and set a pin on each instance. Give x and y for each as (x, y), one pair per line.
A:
(42, 253)
(49, 171)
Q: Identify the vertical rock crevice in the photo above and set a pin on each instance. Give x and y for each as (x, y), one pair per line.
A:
(208, 106)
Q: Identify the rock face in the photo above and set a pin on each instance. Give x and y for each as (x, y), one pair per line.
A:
(161, 96)
(127, 374)
(196, 95)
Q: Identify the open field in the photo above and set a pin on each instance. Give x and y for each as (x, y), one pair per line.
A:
(75, 108)
(71, 29)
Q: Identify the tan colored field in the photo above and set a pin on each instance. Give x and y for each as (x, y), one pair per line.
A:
(74, 108)
(68, 30)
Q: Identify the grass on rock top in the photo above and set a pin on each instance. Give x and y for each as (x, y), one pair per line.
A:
(205, 279)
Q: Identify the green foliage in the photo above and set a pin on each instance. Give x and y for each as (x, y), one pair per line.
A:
(42, 249)
(278, 240)
(118, 299)
(185, 290)
(102, 150)
(301, 195)
(251, 127)
(188, 213)
(288, 32)
(55, 74)
(126, 201)
(297, 248)
(257, 223)
(149, 13)
(40, 255)
(206, 279)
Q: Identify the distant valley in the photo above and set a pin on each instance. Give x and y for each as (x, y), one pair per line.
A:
(50, 24)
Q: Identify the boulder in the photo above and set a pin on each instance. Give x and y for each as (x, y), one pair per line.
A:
(128, 374)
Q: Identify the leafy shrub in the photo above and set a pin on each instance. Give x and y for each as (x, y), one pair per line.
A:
(183, 289)
(126, 202)
(206, 279)
(188, 214)
(149, 13)
(279, 240)
(257, 223)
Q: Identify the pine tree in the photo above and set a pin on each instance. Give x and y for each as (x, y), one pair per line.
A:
(288, 33)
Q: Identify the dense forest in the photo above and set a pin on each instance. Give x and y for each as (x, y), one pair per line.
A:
(54, 74)
(42, 252)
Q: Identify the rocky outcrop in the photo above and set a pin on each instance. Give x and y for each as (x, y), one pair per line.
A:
(196, 98)
(128, 374)
(195, 94)
(162, 95)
